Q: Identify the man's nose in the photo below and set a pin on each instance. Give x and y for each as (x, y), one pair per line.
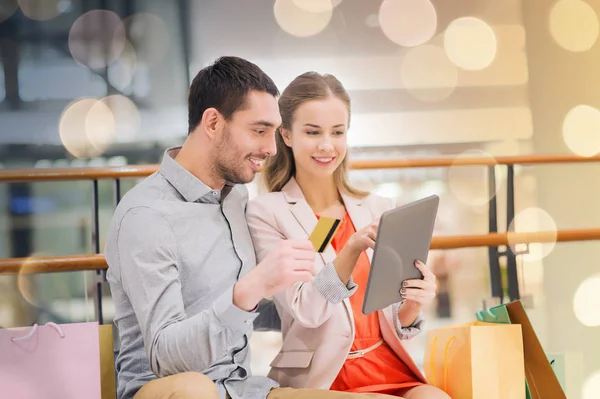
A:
(270, 145)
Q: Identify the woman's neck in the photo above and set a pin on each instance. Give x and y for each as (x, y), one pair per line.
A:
(322, 195)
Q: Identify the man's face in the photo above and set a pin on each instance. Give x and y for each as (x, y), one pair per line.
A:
(248, 138)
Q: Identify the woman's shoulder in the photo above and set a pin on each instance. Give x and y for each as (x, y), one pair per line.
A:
(377, 202)
(268, 202)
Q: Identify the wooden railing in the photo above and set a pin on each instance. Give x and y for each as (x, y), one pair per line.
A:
(70, 263)
(494, 240)
(123, 172)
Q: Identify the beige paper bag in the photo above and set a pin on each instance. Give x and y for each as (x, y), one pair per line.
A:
(476, 361)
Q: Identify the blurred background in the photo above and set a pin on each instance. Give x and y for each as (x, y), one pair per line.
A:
(104, 83)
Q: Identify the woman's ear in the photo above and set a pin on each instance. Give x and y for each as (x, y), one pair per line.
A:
(286, 136)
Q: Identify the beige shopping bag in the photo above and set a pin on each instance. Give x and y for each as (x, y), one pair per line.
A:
(476, 361)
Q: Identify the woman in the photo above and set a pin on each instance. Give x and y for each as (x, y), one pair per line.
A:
(328, 342)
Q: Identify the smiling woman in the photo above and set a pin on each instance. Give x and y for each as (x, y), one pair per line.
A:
(315, 111)
(328, 342)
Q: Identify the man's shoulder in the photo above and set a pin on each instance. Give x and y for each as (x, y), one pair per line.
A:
(147, 198)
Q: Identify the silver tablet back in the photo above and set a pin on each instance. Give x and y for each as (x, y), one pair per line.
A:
(404, 235)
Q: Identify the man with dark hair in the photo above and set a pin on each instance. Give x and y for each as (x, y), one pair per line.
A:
(181, 263)
(182, 268)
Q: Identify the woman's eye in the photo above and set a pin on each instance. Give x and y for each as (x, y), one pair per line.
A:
(312, 132)
(339, 132)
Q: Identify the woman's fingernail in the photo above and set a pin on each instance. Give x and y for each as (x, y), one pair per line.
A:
(405, 284)
(403, 291)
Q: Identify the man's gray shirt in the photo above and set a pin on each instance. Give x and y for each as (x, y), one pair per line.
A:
(175, 248)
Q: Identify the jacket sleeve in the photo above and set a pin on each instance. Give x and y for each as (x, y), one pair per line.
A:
(309, 303)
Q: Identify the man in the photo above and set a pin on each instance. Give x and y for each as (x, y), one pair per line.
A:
(181, 263)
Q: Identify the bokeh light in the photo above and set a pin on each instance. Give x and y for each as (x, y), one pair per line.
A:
(299, 22)
(427, 73)
(97, 38)
(408, 22)
(126, 117)
(100, 126)
(581, 130)
(532, 220)
(148, 35)
(591, 386)
(72, 128)
(122, 70)
(574, 25)
(314, 6)
(41, 10)
(470, 43)
(26, 280)
(586, 302)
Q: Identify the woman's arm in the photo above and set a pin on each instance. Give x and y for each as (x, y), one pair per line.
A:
(309, 303)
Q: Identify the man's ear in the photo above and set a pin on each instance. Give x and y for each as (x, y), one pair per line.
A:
(213, 122)
(286, 135)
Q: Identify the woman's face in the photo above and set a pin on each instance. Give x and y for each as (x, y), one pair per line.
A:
(318, 136)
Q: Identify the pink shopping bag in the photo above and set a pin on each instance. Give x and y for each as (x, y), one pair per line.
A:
(50, 362)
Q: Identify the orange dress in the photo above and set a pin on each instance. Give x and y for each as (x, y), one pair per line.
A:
(378, 371)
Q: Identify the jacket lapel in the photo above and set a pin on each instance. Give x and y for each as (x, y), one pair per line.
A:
(304, 214)
(360, 215)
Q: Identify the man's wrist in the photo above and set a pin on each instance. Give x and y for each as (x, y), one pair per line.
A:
(247, 293)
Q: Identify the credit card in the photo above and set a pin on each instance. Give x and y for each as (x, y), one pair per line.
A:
(323, 233)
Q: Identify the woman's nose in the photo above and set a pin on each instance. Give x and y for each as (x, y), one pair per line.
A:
(325, 144)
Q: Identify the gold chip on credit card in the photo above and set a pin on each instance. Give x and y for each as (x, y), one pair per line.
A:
(323, 233)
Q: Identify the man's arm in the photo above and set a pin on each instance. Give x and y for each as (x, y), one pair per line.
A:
(148, 265)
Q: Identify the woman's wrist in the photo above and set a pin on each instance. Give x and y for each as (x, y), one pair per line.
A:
(412, 304)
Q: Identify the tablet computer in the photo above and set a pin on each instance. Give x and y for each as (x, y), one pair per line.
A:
(403, 236)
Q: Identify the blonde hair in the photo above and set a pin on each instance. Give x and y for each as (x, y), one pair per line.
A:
(280, 168)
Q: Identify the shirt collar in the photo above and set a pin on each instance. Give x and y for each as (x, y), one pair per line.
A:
(188, 185)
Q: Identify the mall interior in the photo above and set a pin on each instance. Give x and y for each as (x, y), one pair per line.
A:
(488, 104)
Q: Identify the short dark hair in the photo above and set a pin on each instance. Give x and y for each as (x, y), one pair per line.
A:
(224, 85)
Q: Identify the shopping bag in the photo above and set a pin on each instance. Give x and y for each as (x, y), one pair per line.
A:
(476, 361)
(50, 362)
(541, 382)
(107, 362)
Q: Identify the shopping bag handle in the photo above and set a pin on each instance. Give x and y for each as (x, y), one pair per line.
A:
(432, 358)
(34, 329)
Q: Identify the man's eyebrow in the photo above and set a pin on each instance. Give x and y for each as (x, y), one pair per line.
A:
(263, 123)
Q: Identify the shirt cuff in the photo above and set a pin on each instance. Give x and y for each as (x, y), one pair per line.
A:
(411, 331)
(328, 283)
(232, 317)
